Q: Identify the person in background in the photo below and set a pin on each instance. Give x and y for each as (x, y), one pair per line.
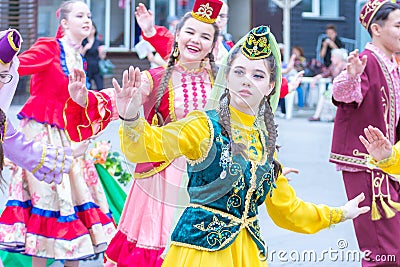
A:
(172, 22)
(368, 93)
(36, 157)
(71, 220)
(332, 41)
(161, 39)
(232, 169)
(93, 50)
(339, 63)
(225, 42)
(297, 63)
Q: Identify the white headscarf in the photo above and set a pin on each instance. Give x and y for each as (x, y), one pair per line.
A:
(8, 90)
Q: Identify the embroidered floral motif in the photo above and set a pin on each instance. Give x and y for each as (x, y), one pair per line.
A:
(217, 231)
(205, 11)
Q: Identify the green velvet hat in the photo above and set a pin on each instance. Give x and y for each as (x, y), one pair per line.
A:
(259, 43)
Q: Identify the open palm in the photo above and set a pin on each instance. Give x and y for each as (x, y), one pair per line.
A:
(355, 65)
(129, 99)
(377, 145)
(145, 19)
(77, 87)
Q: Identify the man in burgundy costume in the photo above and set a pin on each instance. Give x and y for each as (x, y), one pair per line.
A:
(368, 93)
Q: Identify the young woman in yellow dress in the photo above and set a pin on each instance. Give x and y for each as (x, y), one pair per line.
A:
(231, 165)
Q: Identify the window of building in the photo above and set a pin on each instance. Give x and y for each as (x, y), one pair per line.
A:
(320, 8)
(112, 19)
(46, 18)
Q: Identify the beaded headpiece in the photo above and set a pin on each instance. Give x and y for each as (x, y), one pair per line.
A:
(10, 45)
(206, 10)
(257, 45)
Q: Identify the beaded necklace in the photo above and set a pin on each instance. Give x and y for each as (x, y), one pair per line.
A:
(196, 76)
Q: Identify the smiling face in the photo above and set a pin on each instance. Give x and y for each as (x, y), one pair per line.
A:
(195, 40)
(248, 82)
(78, 23)
(4, 74)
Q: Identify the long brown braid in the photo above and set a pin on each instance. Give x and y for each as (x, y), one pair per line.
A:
(264, 112)
(173, 59)
(3, 121)
(225, 121)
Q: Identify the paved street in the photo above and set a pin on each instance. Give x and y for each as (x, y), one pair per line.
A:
(305, 146)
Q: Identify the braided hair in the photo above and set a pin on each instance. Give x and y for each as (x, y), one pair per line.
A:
(264, 113)
(173, 59)
(3, 121)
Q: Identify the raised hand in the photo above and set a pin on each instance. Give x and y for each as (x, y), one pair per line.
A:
(351, 209)
(145, 20)
(129, 99)
(355, 65)
(295, 82)
(377, 145)
(77, 87)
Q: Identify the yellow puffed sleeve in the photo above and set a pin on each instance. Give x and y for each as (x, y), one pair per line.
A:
(390, 165)
(292, 213)
(188, 137)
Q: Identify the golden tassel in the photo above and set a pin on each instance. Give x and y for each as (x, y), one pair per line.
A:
(388, 211)
(374, 211)
(154, 121)
(395, 205)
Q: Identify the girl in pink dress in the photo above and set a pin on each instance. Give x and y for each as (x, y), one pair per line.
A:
(169, 93)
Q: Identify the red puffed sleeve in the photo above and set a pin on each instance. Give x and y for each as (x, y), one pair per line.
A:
(162, 41)
(82, 123)
(38, 57)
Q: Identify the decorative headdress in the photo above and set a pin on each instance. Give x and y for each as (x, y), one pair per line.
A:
(206, 10)
(369, 10)
(259, 43)
(10, 44)
(8, 54)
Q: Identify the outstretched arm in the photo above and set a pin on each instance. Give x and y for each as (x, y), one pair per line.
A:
(45, 162)
(141, 142)
(292, 213)
(87, 113)
(159, 37)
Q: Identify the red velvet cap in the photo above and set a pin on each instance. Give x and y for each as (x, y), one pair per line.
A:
(369, 10)
(206, 10)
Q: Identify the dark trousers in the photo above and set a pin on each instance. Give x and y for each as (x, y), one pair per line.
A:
(98, 80)
(382, 237)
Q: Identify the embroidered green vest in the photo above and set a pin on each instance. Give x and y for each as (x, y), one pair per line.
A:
(220, 208)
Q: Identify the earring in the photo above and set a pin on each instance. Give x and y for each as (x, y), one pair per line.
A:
(175, 54)
(224, 103)
(260, 115)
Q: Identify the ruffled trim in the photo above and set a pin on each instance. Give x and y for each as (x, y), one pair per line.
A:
(29, 229)
(82, 123)
(122, 252)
